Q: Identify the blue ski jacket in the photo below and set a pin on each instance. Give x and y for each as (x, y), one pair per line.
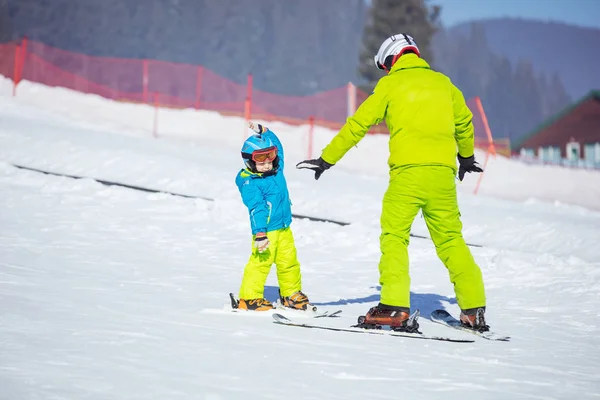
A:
(266, 197)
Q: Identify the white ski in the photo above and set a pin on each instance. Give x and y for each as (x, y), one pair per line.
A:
(310, 312)
(283, 320)
(443, 317)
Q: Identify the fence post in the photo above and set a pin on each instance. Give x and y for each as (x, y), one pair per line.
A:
(249, 98)
(350, 99)
(198, 86)
(20, 52)
(16, 69)
(491, 148)
(145, 80)
(248, 103)
(311, 131)
(155, 125)
(486, 126)
(24, 42)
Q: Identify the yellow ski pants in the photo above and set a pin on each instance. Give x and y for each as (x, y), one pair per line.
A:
(431, 189)
(282, 253)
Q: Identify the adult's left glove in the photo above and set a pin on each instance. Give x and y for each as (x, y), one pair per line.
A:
(467, 164)
(319, 166)
(258, 128)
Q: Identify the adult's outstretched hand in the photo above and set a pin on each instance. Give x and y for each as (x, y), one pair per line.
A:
(318, 165)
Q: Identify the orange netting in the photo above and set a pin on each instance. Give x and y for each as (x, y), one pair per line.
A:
(8, 58)
(192, 86)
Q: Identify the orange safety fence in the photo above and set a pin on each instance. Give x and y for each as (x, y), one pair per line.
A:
(8, 58)
(167, 84)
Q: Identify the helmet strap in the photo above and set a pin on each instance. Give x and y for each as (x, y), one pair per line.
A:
(251, 165)
(389, 69)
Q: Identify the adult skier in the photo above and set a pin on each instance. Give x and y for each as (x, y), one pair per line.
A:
(430, 126)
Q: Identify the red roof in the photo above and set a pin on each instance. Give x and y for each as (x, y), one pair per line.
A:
(580, 121)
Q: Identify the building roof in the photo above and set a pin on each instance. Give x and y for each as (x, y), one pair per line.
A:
(555, 120)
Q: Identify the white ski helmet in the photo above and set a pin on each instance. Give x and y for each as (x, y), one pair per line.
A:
(395, 45)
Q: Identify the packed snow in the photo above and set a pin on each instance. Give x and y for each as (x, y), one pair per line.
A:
(112, 293)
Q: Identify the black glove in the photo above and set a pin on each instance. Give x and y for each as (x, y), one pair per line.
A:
(319, 166)
(467, 164)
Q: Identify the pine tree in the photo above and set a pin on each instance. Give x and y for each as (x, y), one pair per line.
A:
(389, 17)
(514, 97)
(556, 97)
(497, 98)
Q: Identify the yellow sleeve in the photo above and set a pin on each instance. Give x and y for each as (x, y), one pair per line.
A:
(371, 112)
(463, 121)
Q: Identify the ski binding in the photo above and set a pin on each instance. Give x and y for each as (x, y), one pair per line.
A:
(283, 320)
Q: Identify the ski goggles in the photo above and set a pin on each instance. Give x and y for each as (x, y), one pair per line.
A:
(268, 154)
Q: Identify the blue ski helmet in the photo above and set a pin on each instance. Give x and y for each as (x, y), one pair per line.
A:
(257, 143)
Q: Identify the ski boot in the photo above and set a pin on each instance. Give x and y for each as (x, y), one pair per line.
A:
(474, 318)
(250, 305)
(297, 301)
(255, 305)
(397, 318)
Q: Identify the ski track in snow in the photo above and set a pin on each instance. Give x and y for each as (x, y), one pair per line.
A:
(102, 289)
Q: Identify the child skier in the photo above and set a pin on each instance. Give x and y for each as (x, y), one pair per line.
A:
(264, 191)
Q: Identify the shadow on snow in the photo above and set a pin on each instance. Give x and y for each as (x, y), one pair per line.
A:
(425, 302)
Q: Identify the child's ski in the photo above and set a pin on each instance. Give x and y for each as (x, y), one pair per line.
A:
(311, 312)
(443, 317)
(282, 320)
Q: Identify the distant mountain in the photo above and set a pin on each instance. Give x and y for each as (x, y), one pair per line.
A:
(570, 51)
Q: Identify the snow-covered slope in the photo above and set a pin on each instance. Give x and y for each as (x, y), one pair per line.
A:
(105, 292)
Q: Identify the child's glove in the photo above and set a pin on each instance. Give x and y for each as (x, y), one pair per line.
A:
(258, 128)
(467, 164)
(319, 166)
(261, 241)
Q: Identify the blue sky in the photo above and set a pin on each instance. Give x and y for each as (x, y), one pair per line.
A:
(577, 12)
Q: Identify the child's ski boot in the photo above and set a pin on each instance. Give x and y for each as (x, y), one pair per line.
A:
(250, 305)
(255, 305)
(297, 301)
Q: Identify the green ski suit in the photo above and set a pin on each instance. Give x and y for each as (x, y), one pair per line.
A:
(428, 122)
(282, 253)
